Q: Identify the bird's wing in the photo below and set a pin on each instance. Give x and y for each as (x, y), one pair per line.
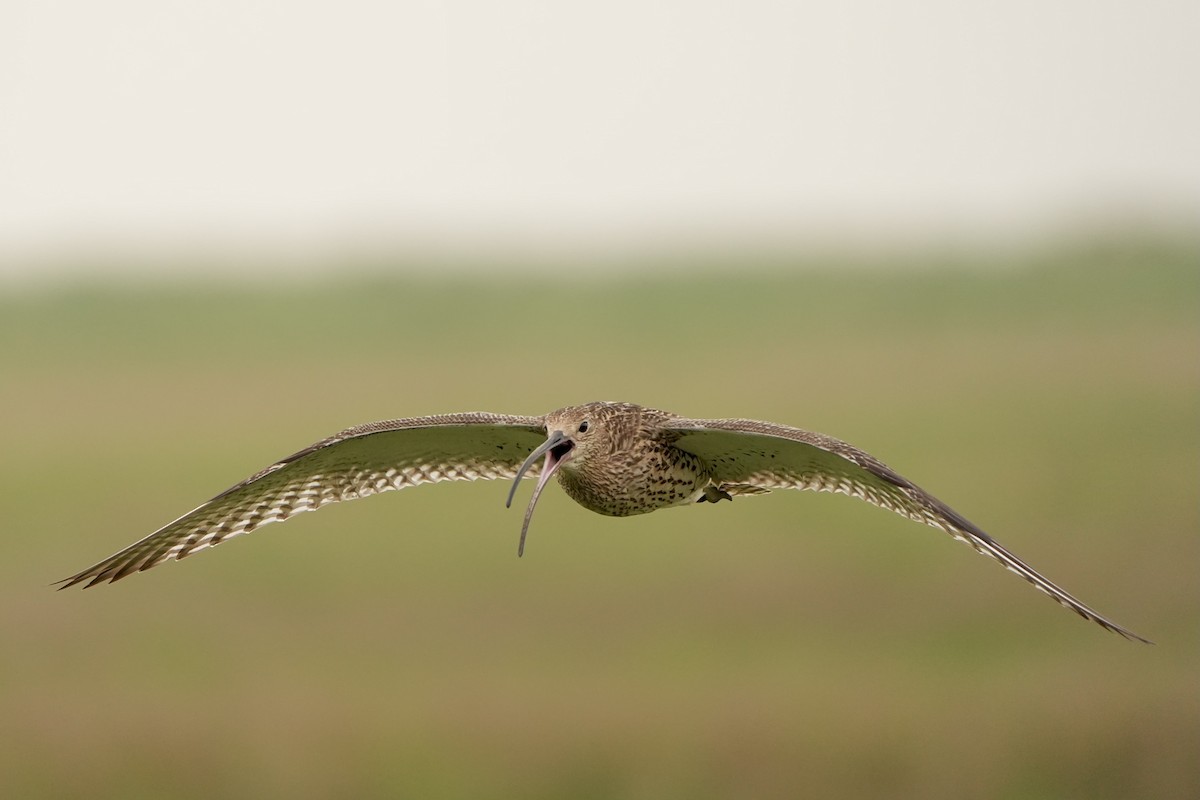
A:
(357, 462)
(749, 453)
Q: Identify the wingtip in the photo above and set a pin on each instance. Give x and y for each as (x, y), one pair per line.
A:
(88, 579)
(1111, 626)
(1131, 636)
(67, 583)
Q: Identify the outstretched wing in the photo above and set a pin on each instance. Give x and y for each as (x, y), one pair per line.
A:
(746, 453)
(358, 462)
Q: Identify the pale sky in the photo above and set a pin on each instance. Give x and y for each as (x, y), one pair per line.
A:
(167, 124)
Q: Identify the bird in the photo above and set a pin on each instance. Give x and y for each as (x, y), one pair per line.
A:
(616, 459)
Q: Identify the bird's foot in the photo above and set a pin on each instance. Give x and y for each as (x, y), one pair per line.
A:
(714, 494)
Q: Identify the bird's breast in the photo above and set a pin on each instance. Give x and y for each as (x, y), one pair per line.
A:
(626, 483)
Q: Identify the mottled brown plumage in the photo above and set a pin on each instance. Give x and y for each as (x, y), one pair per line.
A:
(617, 459)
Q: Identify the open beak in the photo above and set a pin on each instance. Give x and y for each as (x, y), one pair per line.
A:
(557, 449)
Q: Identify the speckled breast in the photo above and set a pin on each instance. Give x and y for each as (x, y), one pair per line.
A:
(628, 483)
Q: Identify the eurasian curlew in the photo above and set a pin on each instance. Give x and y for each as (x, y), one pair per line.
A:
(617, 459)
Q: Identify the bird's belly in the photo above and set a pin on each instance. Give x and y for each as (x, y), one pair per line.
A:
(635, 491)
(624, 506)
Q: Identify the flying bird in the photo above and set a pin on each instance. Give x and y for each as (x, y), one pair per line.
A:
(617, 459)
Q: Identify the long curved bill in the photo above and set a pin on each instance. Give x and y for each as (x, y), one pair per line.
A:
(555, 455)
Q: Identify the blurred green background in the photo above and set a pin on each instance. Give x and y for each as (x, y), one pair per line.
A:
(785, 646)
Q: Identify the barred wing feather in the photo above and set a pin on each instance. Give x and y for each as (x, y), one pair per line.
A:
(746, 455)
(358, 462)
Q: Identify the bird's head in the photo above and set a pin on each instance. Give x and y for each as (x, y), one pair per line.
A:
(575, 434)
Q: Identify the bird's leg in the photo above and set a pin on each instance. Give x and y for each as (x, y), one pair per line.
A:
(714, 494)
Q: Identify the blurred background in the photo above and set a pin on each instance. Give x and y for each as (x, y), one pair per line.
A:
(962, 238)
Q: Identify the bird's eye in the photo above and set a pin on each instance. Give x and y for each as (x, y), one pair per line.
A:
(583, 426)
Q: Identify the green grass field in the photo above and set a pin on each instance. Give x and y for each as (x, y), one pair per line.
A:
(795, 645)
